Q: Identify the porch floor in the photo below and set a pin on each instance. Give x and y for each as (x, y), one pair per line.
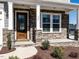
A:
(64, 42)
(61, 40)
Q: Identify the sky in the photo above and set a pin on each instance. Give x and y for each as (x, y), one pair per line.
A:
(73, 14)
(75, 1)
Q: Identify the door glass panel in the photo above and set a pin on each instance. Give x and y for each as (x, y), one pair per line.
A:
(21, 19)
(21, 22)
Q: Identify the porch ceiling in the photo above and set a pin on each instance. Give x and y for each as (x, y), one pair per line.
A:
(42, 7)
(66, 6)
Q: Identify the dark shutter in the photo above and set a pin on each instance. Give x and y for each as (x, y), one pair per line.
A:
(65, 23)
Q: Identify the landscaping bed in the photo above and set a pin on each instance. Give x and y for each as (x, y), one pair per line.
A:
(5, 50)
(68, 53)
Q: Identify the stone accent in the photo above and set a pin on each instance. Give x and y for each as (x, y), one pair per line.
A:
(77, 34)
(38, 35)
(42, 36)
(5, 34)
(61, 35)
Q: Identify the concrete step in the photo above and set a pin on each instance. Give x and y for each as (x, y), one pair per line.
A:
(23, 44)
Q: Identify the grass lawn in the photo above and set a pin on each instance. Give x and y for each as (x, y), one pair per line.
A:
(68, 53)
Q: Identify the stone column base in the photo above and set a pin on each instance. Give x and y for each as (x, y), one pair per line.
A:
(5, 34)
(76, 34)
(38, 35)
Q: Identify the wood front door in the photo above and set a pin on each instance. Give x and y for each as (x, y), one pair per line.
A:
(21, 26)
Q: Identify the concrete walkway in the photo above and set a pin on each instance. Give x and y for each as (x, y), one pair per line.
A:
(21, 52)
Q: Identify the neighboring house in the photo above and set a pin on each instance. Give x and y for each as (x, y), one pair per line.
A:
(35, 20)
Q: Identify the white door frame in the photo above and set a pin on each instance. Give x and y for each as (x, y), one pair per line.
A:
(23, 11)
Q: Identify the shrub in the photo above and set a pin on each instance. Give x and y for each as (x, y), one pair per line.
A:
(11, 57)
(45, 44)
(9, 41)
(73, 54)
(57, 53)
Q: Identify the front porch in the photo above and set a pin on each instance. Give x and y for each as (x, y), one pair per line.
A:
(33, 23)
(34, 30)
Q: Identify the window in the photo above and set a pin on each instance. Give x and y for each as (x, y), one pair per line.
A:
(46, 23)
(56, 23)
(51, 22)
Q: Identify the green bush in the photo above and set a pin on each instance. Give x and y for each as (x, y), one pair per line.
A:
(58, 53)
(11, 57)
(45, 44)
(9, 41)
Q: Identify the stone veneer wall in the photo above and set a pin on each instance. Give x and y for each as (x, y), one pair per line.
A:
(5, 34)
(41, 36)
(64, 24)
(76, 34)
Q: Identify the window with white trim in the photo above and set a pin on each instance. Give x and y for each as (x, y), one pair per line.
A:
(51, 22)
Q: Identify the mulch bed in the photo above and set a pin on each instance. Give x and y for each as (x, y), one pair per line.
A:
(46, 54)
(5, 50)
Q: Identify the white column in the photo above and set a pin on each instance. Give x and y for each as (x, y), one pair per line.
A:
(10, 15)
(37, 17)
(77, 26)
(1, 27)
(67, 13)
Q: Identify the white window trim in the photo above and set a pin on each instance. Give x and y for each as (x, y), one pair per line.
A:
(51, 30)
